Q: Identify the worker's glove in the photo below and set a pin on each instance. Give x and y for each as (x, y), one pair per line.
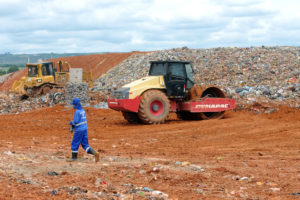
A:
(71, 128)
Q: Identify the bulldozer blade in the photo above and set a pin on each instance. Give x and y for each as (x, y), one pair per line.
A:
(18, 87)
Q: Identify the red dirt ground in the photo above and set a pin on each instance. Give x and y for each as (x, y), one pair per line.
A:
(243, 156)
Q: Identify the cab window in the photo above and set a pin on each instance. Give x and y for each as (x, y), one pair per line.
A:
(32, 71)
(157, 69)
(189, 73)
(47, 69)
(177, 69)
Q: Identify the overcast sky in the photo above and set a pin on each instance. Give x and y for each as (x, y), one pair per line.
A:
(66, 26)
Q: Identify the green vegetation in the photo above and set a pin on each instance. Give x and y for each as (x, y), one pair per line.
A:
(12, 69)
(18, 59)
(9, 68)
(2, 72)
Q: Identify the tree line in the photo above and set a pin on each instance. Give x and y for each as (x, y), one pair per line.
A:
(9, 68)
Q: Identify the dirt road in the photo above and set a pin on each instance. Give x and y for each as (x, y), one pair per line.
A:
(244, 156)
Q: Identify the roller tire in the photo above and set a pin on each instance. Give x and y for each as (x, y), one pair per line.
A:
(131, 117)
(154, 107)
(198, 92)
(212, 92)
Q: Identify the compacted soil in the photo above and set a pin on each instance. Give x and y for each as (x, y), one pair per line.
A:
(243, 156)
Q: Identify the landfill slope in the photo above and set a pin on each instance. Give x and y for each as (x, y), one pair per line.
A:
(243, 156)
(98, 64)
(255, 74)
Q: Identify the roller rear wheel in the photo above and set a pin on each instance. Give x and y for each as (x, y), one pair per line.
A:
(212, 92)
(198, 92)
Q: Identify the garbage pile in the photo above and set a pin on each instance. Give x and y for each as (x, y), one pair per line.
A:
(12, 103)
(3, 77)
(99, 99)
(77, 90)
(15, 103)
(250, 75)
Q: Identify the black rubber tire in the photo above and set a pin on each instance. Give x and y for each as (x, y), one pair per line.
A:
(131, 117)
(150, 115)
(189, 116)
(198, 93)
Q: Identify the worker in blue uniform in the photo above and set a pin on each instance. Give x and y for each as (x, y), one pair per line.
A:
(80, 133)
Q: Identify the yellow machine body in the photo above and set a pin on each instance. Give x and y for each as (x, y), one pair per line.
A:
(136, 88)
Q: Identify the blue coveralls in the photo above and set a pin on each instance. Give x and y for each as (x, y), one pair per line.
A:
(80, 133)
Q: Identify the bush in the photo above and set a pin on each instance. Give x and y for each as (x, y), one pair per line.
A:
(2, 72)
(12, 69)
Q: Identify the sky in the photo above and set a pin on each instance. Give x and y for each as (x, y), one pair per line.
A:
(83, 26)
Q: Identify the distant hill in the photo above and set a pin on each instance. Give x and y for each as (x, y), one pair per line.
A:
(22, 59)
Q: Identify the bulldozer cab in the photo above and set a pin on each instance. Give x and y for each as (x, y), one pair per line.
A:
(47, 69)
(38, 74)
(40, 70)
(178, 76)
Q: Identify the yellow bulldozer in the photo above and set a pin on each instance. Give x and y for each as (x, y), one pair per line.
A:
(44, 76)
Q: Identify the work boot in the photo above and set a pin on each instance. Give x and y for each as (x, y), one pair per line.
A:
(95, 153)
(74, 157)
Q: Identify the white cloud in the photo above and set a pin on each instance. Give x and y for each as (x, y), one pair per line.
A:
(34, 26)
